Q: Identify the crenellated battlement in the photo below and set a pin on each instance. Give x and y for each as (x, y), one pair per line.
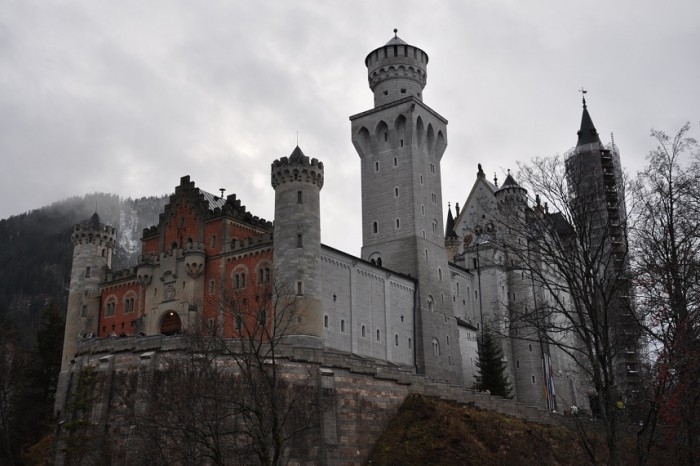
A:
(250, 243)
(94, 231)
(396, 70)
(297, 168)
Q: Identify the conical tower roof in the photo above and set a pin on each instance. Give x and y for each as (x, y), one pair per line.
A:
(450, 225)
(587, 134)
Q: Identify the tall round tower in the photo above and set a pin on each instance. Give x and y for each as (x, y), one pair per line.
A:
(93, 245)
(297, 181)
(396, 70)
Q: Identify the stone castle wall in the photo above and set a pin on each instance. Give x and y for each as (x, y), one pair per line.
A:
(354, 398)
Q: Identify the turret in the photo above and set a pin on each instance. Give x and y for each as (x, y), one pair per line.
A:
(93, 245)
(297, 181)
(396, 70)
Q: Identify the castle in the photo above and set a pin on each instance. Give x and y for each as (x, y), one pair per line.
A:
(416, 297)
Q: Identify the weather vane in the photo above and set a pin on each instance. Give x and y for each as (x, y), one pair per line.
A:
(583, 95)
(395, 32)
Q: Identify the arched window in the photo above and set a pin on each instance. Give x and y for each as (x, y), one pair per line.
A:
(363, 331)
(239, 277)
(436, 347)
(325, 321)
(263, 274)
(110, 307)
(342, 326)
(431, 303)
(375, 227)
(396, 340)
(379, 335)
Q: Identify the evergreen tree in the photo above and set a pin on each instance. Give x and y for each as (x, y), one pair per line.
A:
(491, 367)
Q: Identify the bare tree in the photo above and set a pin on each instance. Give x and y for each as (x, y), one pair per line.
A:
(227, 400)
(571, 247)
(666, 263)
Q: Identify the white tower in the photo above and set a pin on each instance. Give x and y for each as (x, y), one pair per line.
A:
(297, 181)
(93, 245)
(401, 142)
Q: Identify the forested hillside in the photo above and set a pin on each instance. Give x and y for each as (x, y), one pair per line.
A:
(36, 251)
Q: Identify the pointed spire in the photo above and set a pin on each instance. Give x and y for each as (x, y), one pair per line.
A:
(587, 134)
(450, 225)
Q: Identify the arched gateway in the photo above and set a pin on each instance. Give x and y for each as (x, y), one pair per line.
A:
(170, 324)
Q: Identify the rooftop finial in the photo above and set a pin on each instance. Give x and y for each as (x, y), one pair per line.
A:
(223, 190)
(583, 96)
(396, 32)
(495, 179)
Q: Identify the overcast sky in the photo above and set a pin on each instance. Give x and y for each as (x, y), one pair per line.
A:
(126, 97)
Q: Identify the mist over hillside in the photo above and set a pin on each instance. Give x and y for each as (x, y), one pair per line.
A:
(36, 250)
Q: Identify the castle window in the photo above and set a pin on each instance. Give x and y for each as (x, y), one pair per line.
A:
(420, 178)
(517, 364)
(84, 311)
(432, 168)
(239, 280)
(396, 340)
(87, 272)
(212, 241)
(448, 340)
(396, 192)
(379, 261)
(238, 322)
(533, 379)
(262, 317)
(325, 321)
(435, 224)
(439, 274)
(433, 197)
(364, 331)
(403, 91)
(300, 242)
(376, 166)
(375, 227)
(530, 347)
(476, 294)
(386, 92)
(430, 303)
(128, 305)
(299, 198)
(263, 275)
(396, 161)
(398, 225)
(342, 325)
(386, 136)
(436, 347)
(104, 251)
(401, 142)
(300, 289)
(109, 308)
(379, 335)
(212, 284)
(423, 234)
(409, 343)
(422, 209)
